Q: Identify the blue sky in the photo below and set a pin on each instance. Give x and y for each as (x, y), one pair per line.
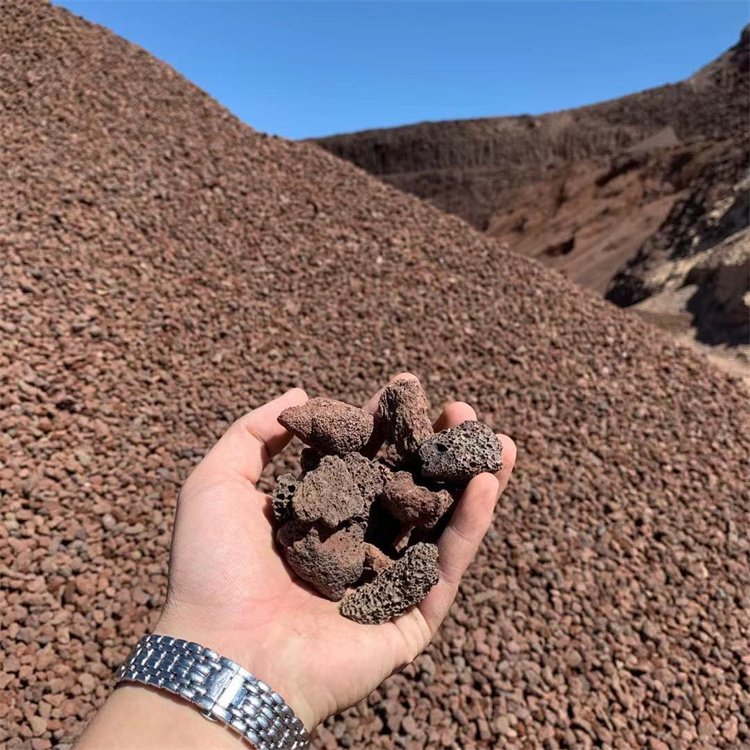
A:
(310, 68)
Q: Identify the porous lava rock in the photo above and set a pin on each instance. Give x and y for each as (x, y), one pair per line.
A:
(328, 426)
(457, 454)
(292, 531)
(281, 499)
(309, 459)
(404, 416)
(331, 562)
(341, 498)
(328, 494)
(412, 504)
(391, 593)
(369, 476)
(376, 561)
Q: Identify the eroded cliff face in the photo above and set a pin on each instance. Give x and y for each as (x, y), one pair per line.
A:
(604, 193)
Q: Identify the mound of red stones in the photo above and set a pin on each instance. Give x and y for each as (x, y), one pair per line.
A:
(165, 269)
(347, 518)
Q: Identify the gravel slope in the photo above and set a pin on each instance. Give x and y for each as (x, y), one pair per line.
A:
(166, 268)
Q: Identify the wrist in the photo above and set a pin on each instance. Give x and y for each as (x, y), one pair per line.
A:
(250, 650)
(135, 716)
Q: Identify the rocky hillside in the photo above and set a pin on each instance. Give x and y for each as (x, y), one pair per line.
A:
(166, 268)
(597, 192)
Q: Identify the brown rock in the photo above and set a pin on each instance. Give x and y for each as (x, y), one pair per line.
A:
(328, 426)
(459, 453)
(329, 563)
(403, 585)
(328, 494)
(404, 416)
(38, 724)
(414, 505)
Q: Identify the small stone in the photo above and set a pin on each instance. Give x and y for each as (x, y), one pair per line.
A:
(403, 585)
(88, 682)
(573, 659)
(38, 724)
(404, 416)
(414, 505)
(331, 564)
(328, 426)
(730, 729)
(460, 453)
(706, 727)
(408, 725)
(328, 494)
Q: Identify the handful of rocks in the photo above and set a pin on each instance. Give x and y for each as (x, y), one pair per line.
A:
(352, 525)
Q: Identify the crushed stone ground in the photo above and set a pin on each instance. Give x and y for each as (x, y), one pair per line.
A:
(166, 268)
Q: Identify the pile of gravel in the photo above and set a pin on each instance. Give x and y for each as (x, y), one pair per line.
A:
(165, 268)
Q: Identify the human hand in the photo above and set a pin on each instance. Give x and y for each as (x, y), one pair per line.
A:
(230, 590)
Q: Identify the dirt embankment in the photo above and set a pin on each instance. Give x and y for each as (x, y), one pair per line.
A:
(596, 192)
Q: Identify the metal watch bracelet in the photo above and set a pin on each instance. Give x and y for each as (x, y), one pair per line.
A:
(221, 688)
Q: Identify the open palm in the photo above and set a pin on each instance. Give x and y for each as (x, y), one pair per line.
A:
(230, 590)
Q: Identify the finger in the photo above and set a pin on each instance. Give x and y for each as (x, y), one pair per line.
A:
(509, 461)
(372, 404)
(251, 442)
(453, 414)
(459, 543)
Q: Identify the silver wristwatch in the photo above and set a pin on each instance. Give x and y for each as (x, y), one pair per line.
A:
(221, 688)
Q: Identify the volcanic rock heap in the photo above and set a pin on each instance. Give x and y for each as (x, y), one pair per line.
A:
(165, 268)
(342, 520)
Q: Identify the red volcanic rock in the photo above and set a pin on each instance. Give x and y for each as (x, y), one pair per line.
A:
(328, 494)
(459, 453)
(414, 505)
(329, 426)
(329, 563)
(401, 586)
(404, 416)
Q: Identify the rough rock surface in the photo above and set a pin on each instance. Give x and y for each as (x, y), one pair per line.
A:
(154, 288)
(332, 563)
(329, 426)
(414, 505)
(405, 412)
(335, 499)
(376, 561)
(459, 453)
(309, 459)
(283, 492)
(390, 594)
(328, 494)
(369, 476)
(292, 531)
